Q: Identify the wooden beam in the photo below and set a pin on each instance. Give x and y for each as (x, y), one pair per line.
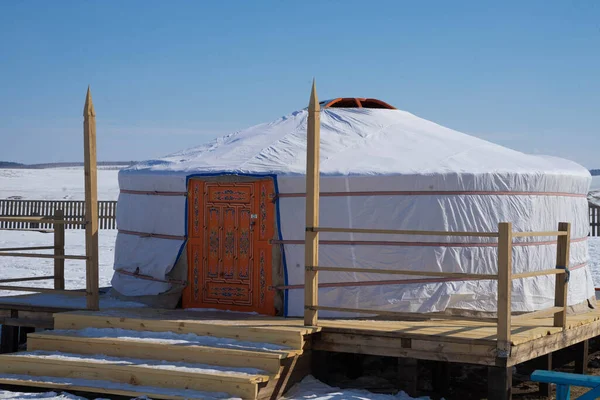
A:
(31, 255)
(535, 234)
(59, 250)
(403, 314)
(504, 287)
(457, 275)
(405, 232)
(31, 278)
(538, 273)
(39, 290)
(91, 203)
(562, 283)
(311, 247)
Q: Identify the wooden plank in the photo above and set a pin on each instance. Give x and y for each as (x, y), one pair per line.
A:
(237, 385)
(537, 314)
(400, 314)
(549, 343)
(406, 232)
(59, 251)
(311, 247)
(52, 256)
(266, 334)
(456, 275)
(68, 343)
(39, 290)
(28, 322)
(27, 248)
(537, 273)
(89, 389)
(49, 220)
(26, 279)
(561, 286)
(504, 287)
(536, 234)
(91, 203)
(334, 346)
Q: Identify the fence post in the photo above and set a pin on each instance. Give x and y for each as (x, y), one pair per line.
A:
(59, 250)
(504, 287)
(562, 280)
(311, 243)
(91, 203)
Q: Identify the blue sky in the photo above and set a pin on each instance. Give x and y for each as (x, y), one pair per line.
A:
(170, 75)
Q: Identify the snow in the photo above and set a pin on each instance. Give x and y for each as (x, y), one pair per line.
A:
(188, 393)
(313, 389)
(55, 184)
(309, 388)
(144, 363)
(172, 338)
(12, 267)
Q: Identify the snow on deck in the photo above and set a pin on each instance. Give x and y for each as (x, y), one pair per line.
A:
(179, 366)
(186, 393)
(172, 338)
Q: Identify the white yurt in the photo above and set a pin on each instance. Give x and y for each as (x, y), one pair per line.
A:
(221, 226)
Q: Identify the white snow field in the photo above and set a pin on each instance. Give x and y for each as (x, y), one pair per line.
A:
(67, 184)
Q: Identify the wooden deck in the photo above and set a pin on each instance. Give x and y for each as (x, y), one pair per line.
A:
(458, 341)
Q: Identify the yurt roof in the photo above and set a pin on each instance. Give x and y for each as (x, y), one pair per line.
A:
(356, 141)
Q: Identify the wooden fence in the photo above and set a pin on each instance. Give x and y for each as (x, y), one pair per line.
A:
(74, 210)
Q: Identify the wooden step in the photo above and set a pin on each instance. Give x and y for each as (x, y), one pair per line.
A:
(138, 372)
(268, 330)
(108, 388)
(172, 347)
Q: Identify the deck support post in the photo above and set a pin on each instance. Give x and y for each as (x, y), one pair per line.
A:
(9, 336)
(499, 383)
(311, 243)
(440, 378)
(562, 280)
(408, 372)
(505, 239)
(91, 203)
(581, 357)
(544, 363)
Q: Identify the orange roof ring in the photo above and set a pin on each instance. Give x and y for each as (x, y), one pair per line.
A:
(355, 102)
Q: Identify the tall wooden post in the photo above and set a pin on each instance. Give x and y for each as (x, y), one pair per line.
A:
(505, 239)
(91, 203)
(311, 243)
(562, 281)
(59, 250)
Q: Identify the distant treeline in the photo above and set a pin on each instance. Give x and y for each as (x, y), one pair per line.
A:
(7, 164)
(595, 172)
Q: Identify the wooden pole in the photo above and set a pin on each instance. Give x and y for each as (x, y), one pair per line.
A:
(311, 244)
(59, 250)
(504, 287)
(91, 203)
(562, 280)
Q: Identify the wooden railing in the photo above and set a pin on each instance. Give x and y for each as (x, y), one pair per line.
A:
(59, 222)
(504, 276)
(73, 209)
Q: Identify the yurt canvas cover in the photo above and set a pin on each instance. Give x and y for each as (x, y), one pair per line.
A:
(383, 169)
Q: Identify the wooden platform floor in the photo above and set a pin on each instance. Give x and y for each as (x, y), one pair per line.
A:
(463, 341)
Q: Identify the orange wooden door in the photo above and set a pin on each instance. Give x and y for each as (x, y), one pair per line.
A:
(229, 255)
